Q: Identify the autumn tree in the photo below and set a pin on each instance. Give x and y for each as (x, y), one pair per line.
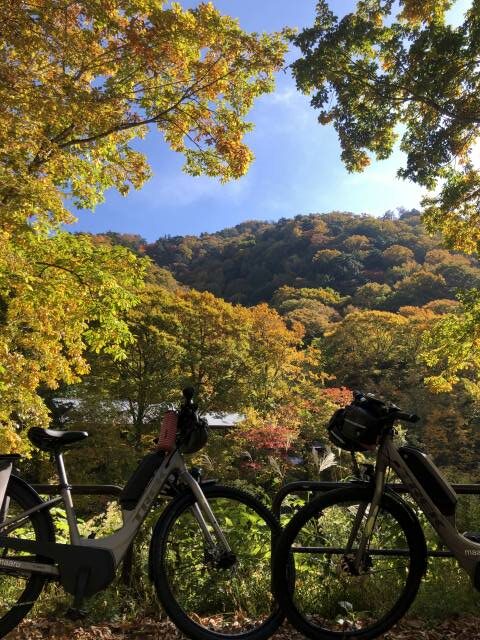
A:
(396, 255)
(275, 357)
(286, 407)
(419, 288)
(235, 357)
(388, 64)
(378, 350)
(312, 308)
(214, 340)
(451, 347)
(285, 294)
(58, 297)
(149, 376)
(314, 316)
(79, 82)
(372, 295)
(181, 338)
(365, 347)
(356, 243)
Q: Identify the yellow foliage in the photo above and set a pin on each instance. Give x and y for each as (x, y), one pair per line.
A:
(429, 11)
(78, 83)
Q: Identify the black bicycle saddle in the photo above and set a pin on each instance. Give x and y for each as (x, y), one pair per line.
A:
(52, 440)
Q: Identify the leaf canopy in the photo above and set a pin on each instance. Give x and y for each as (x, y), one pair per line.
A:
(79, 82)
(394, 70)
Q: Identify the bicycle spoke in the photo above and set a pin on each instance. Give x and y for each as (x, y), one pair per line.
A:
(18, 588)
(335, 588)
(223, 593)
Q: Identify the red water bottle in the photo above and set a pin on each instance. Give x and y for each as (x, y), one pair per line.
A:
(168, 431)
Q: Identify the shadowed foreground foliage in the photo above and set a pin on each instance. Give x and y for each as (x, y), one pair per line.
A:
(455, 629)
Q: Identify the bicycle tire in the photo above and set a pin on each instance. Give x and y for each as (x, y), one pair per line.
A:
(223, 500)
(308, 612)
(38, 526)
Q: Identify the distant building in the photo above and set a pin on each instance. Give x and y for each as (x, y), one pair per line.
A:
(220, 421)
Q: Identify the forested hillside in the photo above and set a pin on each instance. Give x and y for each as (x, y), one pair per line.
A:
(316, 269)
(361, 292)
(381, 263)
(277, 322)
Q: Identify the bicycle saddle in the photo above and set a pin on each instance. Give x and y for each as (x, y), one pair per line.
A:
(52, 440)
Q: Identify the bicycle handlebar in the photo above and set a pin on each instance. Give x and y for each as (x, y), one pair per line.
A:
(407, 417)
(387, 409)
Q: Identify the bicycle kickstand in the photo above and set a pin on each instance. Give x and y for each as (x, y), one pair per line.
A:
(75, 612)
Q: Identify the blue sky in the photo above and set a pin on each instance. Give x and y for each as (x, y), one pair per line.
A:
(297, 169)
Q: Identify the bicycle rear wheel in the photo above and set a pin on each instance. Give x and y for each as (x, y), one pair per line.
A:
(18, 593)
(334, 597)
(206, 595)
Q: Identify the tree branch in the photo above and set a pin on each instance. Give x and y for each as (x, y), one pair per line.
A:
(51, 265)
(130, 125)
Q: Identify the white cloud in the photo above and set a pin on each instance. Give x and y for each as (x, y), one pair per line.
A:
(284, 110)
(182, 190)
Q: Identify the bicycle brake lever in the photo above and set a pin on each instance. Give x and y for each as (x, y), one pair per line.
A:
(407, 417)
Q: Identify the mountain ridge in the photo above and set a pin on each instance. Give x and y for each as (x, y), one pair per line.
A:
(392, 256)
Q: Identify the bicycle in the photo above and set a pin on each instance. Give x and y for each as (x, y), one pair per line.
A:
(210, 550)
(359, 552)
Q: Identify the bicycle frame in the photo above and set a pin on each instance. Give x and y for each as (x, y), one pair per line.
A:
(103, 554)
(466, 552)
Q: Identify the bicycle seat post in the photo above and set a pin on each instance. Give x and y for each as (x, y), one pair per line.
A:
(65, 492)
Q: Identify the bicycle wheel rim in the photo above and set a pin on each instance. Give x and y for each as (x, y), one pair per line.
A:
(327, 601)
(206, 601)
(18, 592)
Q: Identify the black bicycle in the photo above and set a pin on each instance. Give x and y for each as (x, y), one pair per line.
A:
(210, 551)
(359, 552)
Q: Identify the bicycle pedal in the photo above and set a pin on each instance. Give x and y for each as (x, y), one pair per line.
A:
(474, 536)
(76, 614)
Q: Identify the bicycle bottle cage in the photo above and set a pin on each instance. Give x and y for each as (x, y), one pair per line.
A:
(433, 482)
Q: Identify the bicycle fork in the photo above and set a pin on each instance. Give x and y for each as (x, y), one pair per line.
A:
(204, 515)
(380, 477)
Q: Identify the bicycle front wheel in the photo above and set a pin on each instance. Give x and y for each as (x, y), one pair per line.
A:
(209, 594)
(19, 591)
(337, 592)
